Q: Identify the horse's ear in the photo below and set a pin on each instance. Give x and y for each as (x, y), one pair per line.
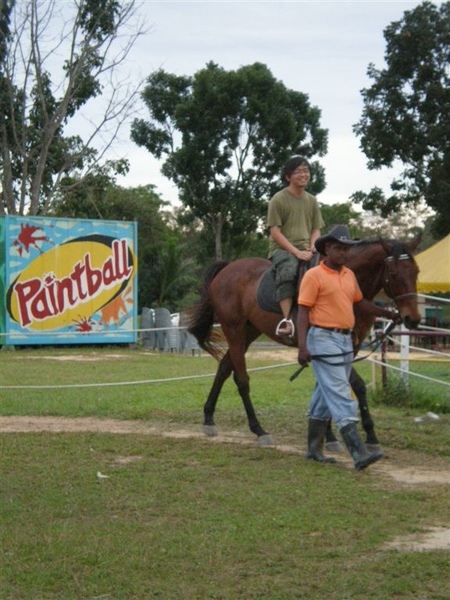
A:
(387, 247)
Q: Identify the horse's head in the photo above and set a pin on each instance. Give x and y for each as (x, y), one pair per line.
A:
(400, 278)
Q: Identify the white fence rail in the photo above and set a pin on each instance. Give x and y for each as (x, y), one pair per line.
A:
(428, 345)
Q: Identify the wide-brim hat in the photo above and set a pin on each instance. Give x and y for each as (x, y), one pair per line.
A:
(339, 233)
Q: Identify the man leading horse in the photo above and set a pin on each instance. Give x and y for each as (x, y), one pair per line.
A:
(326, 300)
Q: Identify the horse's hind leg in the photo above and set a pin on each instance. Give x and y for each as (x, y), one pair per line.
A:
(360, 389)
(223, 372)
(237, 349)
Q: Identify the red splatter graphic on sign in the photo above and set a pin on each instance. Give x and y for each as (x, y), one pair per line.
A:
(84, 325)
(29, 237)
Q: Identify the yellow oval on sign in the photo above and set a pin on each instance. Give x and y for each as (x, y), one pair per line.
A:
(71, 282)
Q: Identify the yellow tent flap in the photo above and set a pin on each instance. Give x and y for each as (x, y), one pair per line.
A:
(434, 265)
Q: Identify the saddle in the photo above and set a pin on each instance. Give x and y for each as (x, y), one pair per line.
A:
(265, 293)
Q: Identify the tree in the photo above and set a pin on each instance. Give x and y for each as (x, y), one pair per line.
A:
(406, 114)
(46, 80)
(368, 225)
(173, 272)
(401, 225)
(225, 136)
(341, 214)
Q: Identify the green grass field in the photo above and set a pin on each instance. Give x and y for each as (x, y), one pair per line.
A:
(190, 517)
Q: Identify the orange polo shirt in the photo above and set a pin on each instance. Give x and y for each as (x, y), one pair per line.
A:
(330, 296)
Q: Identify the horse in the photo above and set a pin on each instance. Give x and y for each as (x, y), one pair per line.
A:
(231, 297)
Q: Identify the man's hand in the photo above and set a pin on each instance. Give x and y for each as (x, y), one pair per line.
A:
(303, 356)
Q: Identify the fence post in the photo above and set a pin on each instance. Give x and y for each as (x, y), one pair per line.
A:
(383, 360)
(404, 355)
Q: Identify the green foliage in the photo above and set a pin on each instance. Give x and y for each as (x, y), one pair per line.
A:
(172, 272)
(6, 7)
(225, 136)
(340, 214)
(98, 18)
(406, 116)
(414, 393)
(402, 225)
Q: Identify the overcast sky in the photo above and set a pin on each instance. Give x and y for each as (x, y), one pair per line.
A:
(319, 48)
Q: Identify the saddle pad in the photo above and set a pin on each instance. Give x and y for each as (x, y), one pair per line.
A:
(265, 294)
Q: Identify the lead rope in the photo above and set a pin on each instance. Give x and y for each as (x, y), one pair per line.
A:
(386, 331)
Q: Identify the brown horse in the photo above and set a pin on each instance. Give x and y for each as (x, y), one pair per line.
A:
(229, 297)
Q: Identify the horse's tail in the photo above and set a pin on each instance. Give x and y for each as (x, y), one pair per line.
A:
(201, 316)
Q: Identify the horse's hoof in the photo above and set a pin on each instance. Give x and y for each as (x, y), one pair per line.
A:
(210, 430)
(334, 447)
(371, 448)
(265, 440)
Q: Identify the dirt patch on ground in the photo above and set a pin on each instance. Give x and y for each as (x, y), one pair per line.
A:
(77, 357)
(414, 475)
(435, 539)
(277, 354)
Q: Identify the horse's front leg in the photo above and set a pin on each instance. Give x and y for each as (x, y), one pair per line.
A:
(360, 390)
(223, 372)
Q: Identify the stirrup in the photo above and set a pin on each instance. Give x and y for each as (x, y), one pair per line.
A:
(280, 325)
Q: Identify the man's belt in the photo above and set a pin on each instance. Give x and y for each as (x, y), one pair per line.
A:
(335, 329)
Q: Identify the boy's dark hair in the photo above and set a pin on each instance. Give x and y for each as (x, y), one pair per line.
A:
(292, 164)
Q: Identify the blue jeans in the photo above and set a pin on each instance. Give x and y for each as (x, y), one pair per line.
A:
(332, 395)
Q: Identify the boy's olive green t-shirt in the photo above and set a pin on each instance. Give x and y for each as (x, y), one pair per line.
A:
(296, 216)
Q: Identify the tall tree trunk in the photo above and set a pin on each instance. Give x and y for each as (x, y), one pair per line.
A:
(218, 224)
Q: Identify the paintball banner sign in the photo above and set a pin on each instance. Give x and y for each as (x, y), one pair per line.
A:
(67, 281)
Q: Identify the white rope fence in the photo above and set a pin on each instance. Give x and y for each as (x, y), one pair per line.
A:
(408, 372)
(139, 382)
(426, 355)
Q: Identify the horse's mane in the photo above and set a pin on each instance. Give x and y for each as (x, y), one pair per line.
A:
(397, 248)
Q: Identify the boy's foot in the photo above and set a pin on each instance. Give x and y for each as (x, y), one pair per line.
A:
(285, 328)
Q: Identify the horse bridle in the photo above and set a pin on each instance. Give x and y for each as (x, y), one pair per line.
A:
(387, 283)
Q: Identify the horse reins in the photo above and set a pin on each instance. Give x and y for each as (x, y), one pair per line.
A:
(321, 357)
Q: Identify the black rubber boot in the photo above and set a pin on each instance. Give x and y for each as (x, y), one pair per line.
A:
(357, 449)
(316, 437)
